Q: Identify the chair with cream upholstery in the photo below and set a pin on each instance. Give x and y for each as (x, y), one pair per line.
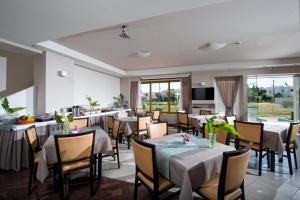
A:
(74, 152)
(157, 130)
(147, 171)
(230, 119)
(205, 112)
(79, 123)
(142, 127)
(250, 132)
(115, 140)
(34, 154)
(291, 145)
(110, 124)
(222, 136)
(229, 184)
(183, 122)
(122, 114)
(156, 115)
(139, 110)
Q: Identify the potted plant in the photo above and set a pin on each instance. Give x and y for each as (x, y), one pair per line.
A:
(11, 113)
(120, 101)
(65, 120)
(92, 103)
(210, 126)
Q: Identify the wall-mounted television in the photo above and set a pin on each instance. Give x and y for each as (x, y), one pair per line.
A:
(203, 93)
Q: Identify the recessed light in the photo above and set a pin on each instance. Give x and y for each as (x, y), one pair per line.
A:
(236, 43)
(143, 54)
(212, 46)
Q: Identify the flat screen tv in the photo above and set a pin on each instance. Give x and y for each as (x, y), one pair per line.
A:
(203, 93)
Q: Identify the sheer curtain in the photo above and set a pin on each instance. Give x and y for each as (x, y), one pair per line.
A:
(134, 94)
(228, 95)
(186, 95)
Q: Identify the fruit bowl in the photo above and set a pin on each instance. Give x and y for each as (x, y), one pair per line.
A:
(25, 119)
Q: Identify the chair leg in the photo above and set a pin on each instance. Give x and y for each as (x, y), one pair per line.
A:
(30, 179)
(256, 154)
(135, 187)
(295, 158)
(243, 191)
(290, 161)
(128, 141)
(91, 180)
(268, 159)
(260, 163)
(118, 157)
(61, 186)
(99, 166)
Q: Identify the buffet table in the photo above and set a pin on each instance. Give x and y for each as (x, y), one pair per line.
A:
(14, 148)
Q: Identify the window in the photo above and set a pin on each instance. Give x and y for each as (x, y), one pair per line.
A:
(162, 95)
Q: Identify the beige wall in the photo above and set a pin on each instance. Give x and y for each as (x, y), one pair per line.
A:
(19, 72)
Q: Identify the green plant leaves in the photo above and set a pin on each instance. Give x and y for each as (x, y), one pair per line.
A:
(6, 107)
(92, 103)
(211, 125)
(59, 118)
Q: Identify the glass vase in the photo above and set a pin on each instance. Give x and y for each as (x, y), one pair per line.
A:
(212, 139)
(66, 127)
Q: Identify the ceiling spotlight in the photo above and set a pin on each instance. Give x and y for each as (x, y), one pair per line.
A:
(212, 46)
(124, 34)
(143, 54)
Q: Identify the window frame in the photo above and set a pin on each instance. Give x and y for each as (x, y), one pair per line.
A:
(169, 90)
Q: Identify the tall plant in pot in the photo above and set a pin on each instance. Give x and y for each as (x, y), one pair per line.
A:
(120, 101)
(210, 126)
(92, 103)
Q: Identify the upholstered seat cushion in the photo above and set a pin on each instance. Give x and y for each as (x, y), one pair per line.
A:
(75, 165)
(210, 190)
(163, 183)
(37, 157)
(245, 143)
(291, 145)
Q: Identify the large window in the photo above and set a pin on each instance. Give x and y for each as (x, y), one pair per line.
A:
(161, 95)
(271, 98)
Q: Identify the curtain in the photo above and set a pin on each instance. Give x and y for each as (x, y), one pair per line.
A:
(134, 94)
(186, 95)
(228, 87)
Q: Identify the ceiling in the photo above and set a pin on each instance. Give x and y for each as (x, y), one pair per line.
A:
(172, 30)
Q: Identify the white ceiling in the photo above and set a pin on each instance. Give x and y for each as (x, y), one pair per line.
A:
(172, 30)
(267, 28)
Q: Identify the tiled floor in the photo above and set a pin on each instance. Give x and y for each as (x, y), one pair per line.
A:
(279, 185)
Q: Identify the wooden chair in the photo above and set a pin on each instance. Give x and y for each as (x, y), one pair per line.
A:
(79, 123)
(147, 171)
(229, 184)
(291, 145)
(142, 127)
(115, 140)
(139, 110)
(110, 124)
(74, 152)
(222, 136)
(157, 130)
(122, 114)
(34, 154)
(250, 132)
(156, 115)
(183, 122)
(205, 112)
(149, 114)
(230, 119)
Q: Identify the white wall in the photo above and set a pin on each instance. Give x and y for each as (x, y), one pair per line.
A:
(99, 86)
(2, 73)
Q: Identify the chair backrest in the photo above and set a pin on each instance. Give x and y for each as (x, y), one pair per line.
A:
(32, 139)
(139, 110)
(122, 114)
(182, 118)
(205, 112)
(150, 114)
(156, 114)
(116, 127)
(230, 119)
(74, 147)
(79, 123)
(145, 160)
(157, 130)
(233, 171)
(110, 122)
(249, 131)
(142, 122)
(222, 136)
(292, 134)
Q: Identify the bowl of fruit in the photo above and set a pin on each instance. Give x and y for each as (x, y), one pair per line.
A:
(25, 119)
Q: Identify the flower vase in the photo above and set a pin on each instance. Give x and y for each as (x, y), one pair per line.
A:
(66, 127)
(212, 139)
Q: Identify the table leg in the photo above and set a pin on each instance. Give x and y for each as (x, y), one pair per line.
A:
(272, 161)
(128, 141)
(55, 182)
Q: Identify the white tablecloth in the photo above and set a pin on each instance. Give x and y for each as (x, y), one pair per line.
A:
(48, 153)
(128, 124)
(191, 169)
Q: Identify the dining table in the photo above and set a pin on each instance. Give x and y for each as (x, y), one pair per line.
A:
(128, 125)
(102, 145)
(188, 165)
